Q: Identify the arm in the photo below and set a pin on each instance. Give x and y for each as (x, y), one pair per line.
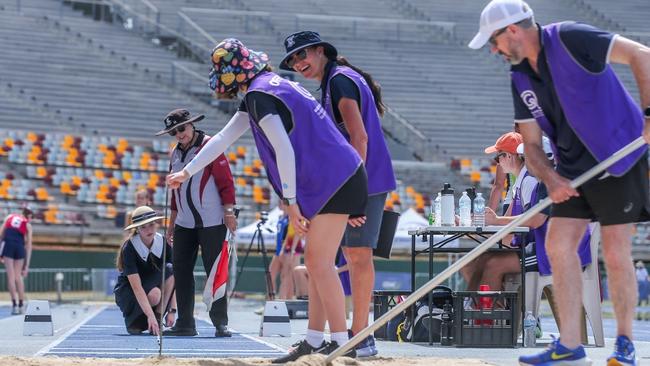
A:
(220, 170)
(2, 229)
(274, 130)
(628, 52)
(497, 188)
(28, 249)
(354, 125)
(559, 188)
(236, 127)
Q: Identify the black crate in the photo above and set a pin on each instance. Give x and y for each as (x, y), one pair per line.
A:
(489, 328)
(383, 301)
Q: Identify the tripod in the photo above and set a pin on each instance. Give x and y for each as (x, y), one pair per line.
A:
(259, 239)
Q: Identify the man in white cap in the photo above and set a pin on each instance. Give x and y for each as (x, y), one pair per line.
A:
(562, 80)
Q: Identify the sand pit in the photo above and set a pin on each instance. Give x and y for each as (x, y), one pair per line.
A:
(316, 360)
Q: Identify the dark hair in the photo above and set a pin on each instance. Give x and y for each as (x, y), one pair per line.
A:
(119, 261)
(374, 86)
(526, 23)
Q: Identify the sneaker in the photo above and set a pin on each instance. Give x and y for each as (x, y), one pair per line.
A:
(300, 349)
(624, 353)
(176, 331)
(21, 310)
(15, 310)
(332, 346)
(365, 348)
(557, 354)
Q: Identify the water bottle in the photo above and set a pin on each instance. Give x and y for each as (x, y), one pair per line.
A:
(446, 328)
(479, 210)
(447, 207)
(432, 215)
(465, 208)
(529, 329)
(436, 209)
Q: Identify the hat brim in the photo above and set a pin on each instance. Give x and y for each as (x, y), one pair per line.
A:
(491, 149)
(479, 40)
(191, 120)
(143, 222)
(330, 51)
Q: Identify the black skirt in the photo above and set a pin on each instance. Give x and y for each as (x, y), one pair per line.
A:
(351, 198)
(127, 302)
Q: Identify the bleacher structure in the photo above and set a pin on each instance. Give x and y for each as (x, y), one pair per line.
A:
(84, 84)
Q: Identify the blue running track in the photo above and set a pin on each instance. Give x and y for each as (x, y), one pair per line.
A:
(105, 336)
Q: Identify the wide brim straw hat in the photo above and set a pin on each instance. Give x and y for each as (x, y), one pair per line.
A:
(142, 216)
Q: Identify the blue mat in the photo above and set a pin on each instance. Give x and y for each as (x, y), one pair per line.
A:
(105, 336)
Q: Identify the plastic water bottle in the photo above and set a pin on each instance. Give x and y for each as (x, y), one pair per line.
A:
(447, 329)
(432, 215)
(436, 210)
(465, 208)
(479, 210)
(529, 329)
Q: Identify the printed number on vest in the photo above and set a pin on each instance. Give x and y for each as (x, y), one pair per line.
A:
(15, 222)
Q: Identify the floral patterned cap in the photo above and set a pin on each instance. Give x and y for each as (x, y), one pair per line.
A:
(233, 65)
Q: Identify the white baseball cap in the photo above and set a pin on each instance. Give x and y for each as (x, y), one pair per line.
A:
(499, 14)
(546, 145)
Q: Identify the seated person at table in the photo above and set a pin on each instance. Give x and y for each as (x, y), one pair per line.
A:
(527, 191)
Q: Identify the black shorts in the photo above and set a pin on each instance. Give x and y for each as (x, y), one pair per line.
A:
(352, 198)
(611, 200)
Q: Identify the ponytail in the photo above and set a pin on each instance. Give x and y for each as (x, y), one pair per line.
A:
(119, 260)
(374, 86)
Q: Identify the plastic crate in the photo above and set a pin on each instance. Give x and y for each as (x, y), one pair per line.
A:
(488, 327)
(383, 301)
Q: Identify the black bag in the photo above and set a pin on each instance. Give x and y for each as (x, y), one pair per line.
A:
(418, 331)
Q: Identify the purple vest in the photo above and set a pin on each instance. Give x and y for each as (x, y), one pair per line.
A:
(598, 108)
(379, 168)
(538, 235)
(324, 160)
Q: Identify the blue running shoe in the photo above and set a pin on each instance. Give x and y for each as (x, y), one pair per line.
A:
(624, 353)
(555, 355)
(365, 348)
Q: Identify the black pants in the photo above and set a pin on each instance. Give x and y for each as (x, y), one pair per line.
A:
(186, 247)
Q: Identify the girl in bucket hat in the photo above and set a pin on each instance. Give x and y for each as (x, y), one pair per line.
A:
(308, 162)
(352, 100)
(139, 261)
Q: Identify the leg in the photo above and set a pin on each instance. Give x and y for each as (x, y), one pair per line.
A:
(184, 258)
(562, 239)
(497, 266)
(274, 269)
(211, 241)
(617, 252)
(11, 279)
(286, 276)
(362, 281)
(301, 280)
(473, 272)
(154, 298)
(324, 231)
(20, 284)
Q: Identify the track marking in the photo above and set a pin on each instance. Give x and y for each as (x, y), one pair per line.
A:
(48, 347)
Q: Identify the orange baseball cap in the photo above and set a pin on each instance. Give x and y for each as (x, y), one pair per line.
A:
(507, 142)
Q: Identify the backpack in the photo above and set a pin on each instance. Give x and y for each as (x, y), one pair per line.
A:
(418, 330)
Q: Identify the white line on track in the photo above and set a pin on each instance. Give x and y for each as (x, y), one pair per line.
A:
(132, 353)
(48, 347)
(252, 338)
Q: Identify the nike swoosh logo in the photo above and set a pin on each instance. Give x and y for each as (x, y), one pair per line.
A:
(555, 356)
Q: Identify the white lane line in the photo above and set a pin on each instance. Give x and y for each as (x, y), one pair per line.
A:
(197, 350)
(48, 347)
(90, 354)
(254, 339)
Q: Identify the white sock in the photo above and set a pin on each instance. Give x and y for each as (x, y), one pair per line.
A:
(340, 337)
(315, 337)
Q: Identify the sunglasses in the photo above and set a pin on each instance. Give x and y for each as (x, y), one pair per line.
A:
(493, 39)
(498, 156)
(177, 130)
(298, 56)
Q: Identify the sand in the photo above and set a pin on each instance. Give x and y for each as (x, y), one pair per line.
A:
(313, 360)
